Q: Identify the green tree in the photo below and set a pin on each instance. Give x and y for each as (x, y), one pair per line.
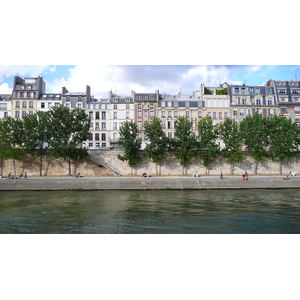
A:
(11, 140)
(157, 148)
(284, 139)
(208, 133)
(37, 135)
(255, 136)
(184, 142)
(131, 143)
(69, 129)
(232, 140)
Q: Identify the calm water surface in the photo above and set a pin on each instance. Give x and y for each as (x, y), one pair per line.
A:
(158, 211)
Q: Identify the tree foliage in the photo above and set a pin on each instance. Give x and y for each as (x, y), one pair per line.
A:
(284, 138)
(11, 140)
(69, 129)
(185, 141)
(208, 133)
(157, 148)
(131, 143)
(232, 140)
(255, 136)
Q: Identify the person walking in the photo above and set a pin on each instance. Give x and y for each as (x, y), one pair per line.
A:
(25, 175)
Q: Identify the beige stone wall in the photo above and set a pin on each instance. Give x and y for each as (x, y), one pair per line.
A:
(170, 167)
(53, 167)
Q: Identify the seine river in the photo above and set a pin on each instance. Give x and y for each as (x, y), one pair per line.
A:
(151, 211)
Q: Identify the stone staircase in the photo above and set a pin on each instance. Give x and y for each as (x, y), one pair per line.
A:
(100, 161)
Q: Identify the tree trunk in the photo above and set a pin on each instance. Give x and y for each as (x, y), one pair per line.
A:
(41, 164)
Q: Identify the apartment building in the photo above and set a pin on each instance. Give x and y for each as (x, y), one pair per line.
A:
(247, 100)
(98, 112)
(215, 102)
(5, 106)
(287, 94)
(145, 108)
(170, 107)
(25, 95)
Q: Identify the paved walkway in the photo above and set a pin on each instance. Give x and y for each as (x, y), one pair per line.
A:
(106, 183)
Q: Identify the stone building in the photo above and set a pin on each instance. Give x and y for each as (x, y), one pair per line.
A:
(5, 106)
(247, 100)
(25, 95)
(287, 94)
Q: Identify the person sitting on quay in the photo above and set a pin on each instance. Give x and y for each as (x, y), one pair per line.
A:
(196, 174)
(245, 176)
(221, 175)
(145, 174)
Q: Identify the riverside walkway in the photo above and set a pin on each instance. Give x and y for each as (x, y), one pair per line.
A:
(140, 183)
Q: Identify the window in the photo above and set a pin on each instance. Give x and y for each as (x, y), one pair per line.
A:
(236, 90)
(103, 126)
(127, 106)
(97, 145)
(214, 115)
(17, 104)
(115, 106)
(115, 136)
(30, 104)
(91, 114)
(17, 114)
(90, 144)
(244, 101)
(151, 106)
(97, 137)
(49, 104)
(91, 137)
(127, 115)
(163, 114)
(97, 125)
(225, 115)
(115, 115)
(220, 115)
(24, 104)
(238, 101)
(257, 90)
(103, 137)
(169, 125)
(145, 113)
(235, 112)
(23, 113)
(270, 101)
(115, 126)
(139, 106)
(3, 106)
(169, 114)
(97, 117)
(187, 113)
(151, 114)
(139, 125)
(258, 101)
(103, 115)
(283, 109)
(79, 105)
(175, 114)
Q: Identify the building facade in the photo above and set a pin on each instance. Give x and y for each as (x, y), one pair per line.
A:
(109, 114)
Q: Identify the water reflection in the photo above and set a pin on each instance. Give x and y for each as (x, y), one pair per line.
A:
(159, 211)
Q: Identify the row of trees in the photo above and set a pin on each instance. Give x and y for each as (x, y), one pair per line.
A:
(59, 130)
(262, 138)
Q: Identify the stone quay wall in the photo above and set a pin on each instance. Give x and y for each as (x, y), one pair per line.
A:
(170, 167)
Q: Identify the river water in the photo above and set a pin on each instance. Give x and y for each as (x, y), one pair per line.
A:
(151, 211)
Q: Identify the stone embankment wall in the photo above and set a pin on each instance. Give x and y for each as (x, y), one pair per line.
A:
(170, 167)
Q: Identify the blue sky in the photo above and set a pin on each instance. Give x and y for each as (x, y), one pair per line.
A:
(121, 79)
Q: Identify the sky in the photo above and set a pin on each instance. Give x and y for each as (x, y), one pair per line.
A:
(122, 79)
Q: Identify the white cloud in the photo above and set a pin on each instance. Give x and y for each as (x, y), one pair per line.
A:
(21, 70)
(4, 89)
(123, 79)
